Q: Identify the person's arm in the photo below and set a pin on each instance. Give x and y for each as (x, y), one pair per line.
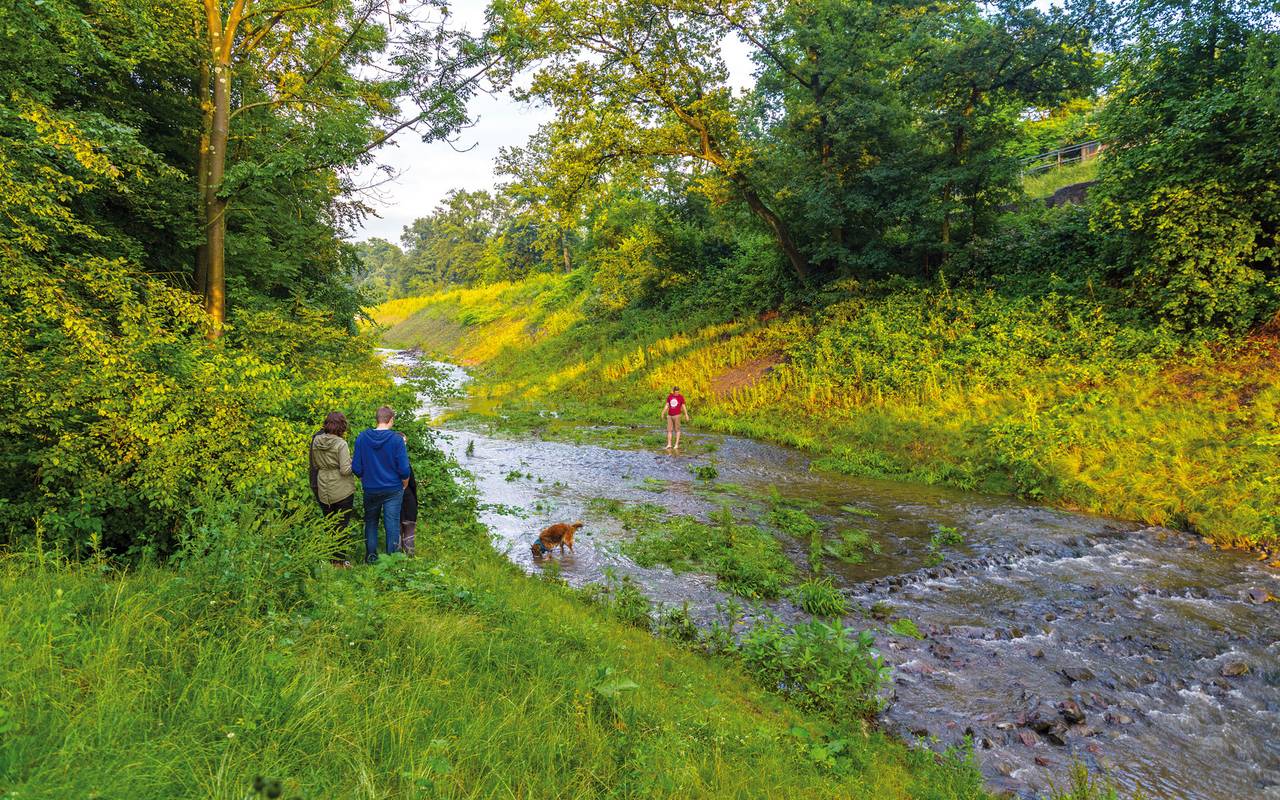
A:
(344, 460)
(357, 461)
(402, 462)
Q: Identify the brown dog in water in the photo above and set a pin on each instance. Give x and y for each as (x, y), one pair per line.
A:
(559, 534)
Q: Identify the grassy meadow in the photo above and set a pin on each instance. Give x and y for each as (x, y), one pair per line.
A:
(1053, 398)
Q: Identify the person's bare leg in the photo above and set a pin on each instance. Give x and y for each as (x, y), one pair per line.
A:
(670, 424)
(677, 422)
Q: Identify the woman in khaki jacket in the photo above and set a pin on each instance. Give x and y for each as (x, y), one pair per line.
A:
(331, 478)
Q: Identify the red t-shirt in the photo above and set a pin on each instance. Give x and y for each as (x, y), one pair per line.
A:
(675, 404)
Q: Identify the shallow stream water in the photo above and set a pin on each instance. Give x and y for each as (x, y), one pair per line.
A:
(1050, 637)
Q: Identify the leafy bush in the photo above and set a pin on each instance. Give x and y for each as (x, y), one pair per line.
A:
(823, 667)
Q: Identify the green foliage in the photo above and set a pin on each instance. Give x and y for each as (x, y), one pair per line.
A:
(940, 539)
(623, 599)
(1083, 786)
(1190, 184)
(746, 560)
(906, 627)
(853, 546)
(823, 667)
(820, 597)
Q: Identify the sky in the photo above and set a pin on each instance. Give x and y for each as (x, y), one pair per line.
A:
(426, 172)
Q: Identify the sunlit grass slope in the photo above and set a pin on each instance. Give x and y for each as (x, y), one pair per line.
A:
(1051, 398)
(451, 676)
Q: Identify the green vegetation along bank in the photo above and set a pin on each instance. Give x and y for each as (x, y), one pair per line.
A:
(1051, 397)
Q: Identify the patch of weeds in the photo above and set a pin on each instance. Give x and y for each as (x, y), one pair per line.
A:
(704, 472)
(905, 627)
(605, 505)
(860, 512)
(881, 610)
(825, 749)
(1083, 786)
(853, 546)
(677, 624)
(471, 448)
(746, 560)
(655, 485)
(621, 597)
(817, 546)
(515, 475)
(503, 509)
(719, 638)
(819, 597)
(793, 522)
(552, 572)
(942, 537)
(823, 667)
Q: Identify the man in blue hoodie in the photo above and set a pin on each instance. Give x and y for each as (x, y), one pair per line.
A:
(381, 462)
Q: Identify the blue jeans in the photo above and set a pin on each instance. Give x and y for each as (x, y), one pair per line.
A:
(386, 503)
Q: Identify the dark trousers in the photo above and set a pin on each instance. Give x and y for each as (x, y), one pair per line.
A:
(346, 507)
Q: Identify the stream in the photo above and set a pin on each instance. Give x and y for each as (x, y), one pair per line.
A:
(1049, 637)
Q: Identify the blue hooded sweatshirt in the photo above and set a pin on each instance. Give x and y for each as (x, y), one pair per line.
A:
(380, 460)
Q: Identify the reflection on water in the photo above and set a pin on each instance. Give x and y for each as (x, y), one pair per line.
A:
(1050, 637)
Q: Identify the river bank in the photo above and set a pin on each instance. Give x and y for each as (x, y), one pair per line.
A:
(1050, 400)
(1044, 637)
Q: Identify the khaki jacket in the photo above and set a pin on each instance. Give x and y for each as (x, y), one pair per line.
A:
(332, 460)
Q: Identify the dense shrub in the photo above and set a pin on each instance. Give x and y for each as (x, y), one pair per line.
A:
(823, 667)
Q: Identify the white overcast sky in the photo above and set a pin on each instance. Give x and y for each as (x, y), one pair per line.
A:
(428, 171)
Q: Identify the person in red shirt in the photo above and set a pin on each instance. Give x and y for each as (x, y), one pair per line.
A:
(672, 411)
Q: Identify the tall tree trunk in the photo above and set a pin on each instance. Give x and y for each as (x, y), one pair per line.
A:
(221, 42)
(202, 179)
(564, 252)
(799, 264)
(215, 206)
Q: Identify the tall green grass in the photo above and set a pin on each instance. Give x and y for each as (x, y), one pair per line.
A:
(449, 676)
(1053, 397)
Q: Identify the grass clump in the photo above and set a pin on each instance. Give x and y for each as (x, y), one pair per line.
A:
(906, 627)
(820, 597)
(852, 546)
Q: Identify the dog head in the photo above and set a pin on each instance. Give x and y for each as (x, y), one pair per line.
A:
(576, 525)
(535, 548)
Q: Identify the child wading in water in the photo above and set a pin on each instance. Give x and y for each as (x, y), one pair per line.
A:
(674, 409)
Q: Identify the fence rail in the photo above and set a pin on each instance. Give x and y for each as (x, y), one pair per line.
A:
(1063, 156)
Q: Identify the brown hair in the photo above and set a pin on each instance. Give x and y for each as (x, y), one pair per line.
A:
(385, 415)
(335, 424)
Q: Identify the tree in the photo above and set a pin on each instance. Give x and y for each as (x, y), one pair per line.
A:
(1190, 181)
(345, 66)
(636, 83)
(976, 72)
